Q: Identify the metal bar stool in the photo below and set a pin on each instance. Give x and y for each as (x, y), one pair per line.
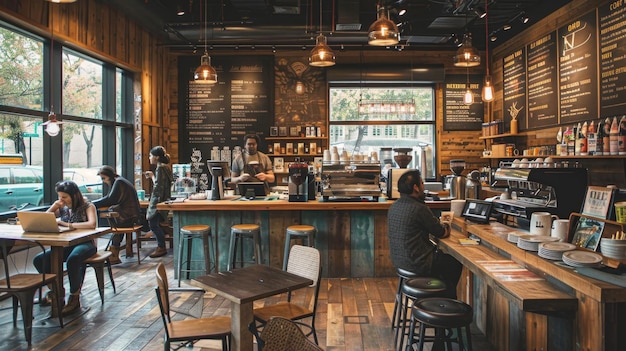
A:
(304, 232)
(403, 275)
(413, 290)
(443, 314)
(242, 231)
(187, 234)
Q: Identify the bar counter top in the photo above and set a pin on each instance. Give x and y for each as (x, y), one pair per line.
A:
(233, 203)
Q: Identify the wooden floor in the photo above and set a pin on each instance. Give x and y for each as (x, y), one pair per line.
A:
(353, 314)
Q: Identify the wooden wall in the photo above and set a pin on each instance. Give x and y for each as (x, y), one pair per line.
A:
(92, 27)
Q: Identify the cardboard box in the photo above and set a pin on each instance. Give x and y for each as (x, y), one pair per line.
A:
(498, 150)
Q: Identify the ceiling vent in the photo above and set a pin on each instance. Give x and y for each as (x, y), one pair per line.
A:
(348, 16)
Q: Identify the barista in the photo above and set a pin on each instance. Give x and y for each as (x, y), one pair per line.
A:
(252, 165)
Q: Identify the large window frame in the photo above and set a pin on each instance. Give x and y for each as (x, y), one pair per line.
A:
(391, 129)
(116, 120)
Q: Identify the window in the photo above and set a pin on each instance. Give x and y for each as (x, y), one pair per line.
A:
(363, 120)
(94, 95)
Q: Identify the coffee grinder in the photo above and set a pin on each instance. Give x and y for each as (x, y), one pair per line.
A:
(298, 181)
(458, 183)
(219, 171)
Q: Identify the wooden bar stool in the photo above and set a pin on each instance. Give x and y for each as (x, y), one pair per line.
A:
(304, 232)
(443, 314)
(244, 231)
(187, 235)
(413, 290)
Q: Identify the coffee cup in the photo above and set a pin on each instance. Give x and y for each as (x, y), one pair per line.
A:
(541, 223)
(456, 206)
(560, 229)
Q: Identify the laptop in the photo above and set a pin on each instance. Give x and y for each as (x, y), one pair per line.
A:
(40, 222)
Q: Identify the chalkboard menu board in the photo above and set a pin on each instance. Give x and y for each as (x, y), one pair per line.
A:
(578, 70)
(219, 115)
(542, 82)
(612, 55)
(514, 73)
(458, 115)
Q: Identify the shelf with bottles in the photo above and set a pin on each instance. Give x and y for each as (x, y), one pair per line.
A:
(286, 138)
(299, 147)
(498, 136)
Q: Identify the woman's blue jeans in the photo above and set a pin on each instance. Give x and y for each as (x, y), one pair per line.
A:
(155, 227)
(75, 257)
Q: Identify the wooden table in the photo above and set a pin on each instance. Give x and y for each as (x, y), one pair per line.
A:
(56, 242)
(242, 287)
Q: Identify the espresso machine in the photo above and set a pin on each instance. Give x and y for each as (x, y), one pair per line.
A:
(458, 183)
(219, 171)
(298, 181)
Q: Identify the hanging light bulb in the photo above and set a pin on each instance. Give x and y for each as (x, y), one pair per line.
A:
(468, 98)
(487, 94)
(383, 32)
(321, 55)
(205, 73)
(467, 55)
(52, 125)
(62, 1)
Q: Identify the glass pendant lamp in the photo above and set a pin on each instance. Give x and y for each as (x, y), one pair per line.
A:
(383, 32)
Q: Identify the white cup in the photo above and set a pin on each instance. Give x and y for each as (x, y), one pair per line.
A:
(560, 229)
(457, 206)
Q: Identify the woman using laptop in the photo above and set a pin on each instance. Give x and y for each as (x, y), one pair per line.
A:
(73, 211)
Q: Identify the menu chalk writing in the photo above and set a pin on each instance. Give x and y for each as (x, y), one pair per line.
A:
(612, 17)
(458, 115)
(514, 72)
(577, 70)
(542, 82)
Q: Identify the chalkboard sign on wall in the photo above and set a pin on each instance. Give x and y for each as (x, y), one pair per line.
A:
(219, 115)
(612, 53)
(458, 115)
(514, 73)
(543, 107)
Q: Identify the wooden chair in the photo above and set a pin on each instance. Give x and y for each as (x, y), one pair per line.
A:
(22, 286)
(189, 330)
(306, 262)
(101, 259)
(112, 218)
(281, 334)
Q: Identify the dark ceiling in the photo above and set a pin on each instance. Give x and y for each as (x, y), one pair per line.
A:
(427, 24)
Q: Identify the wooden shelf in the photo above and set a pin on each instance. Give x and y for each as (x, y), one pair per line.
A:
(555, 157)
(498, 136)
(298, 138)
(294, 155)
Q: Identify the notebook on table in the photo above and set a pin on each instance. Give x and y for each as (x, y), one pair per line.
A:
(40, 222)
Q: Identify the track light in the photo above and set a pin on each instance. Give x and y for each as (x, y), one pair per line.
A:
(523, 18)
(506, 27)
(179, 11)
(480, 12)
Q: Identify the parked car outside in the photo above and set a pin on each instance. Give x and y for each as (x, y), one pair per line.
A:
(87, 177)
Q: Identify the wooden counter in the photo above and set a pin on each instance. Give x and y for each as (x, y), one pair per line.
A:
(351, 236)
(563, 311)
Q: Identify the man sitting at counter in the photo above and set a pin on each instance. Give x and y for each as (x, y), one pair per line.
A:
(252, 165)
(410, 224)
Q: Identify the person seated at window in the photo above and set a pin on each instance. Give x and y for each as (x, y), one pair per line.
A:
(122, 198)
(252, 165)
(73, 211)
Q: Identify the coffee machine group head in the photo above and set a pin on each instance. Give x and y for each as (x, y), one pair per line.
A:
(298, 181)
(219, 172)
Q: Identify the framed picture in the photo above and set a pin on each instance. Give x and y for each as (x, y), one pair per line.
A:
(598, 202)
(294, 131)
(313, 148)
(282, 131)
(274, 131)
(277, 149)
(289, 149)
(588, 233)
(279, 164)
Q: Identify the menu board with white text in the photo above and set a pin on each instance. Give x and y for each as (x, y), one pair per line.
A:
(514, 72)
(612, 17)
(578, 90)
(457, 114)
(542, 82)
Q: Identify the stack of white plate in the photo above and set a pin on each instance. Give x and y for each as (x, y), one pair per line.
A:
(531, 242)
(513, 237)
(554, 250)
(579, 258)
(613, 248)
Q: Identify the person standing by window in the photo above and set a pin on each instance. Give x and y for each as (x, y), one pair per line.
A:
(161, 191)
(122, 198)
(73, 211)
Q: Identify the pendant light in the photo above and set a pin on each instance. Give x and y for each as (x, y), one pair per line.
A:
(62, 1)
(467, 55)
(383, 32)
(468, 97)
(205, 73)
(321, 55)
(487, 94)
(52, 125)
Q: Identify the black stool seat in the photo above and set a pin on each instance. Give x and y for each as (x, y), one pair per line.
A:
(442, 313)
(403, 275)
(423, 287)
(188, 234)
